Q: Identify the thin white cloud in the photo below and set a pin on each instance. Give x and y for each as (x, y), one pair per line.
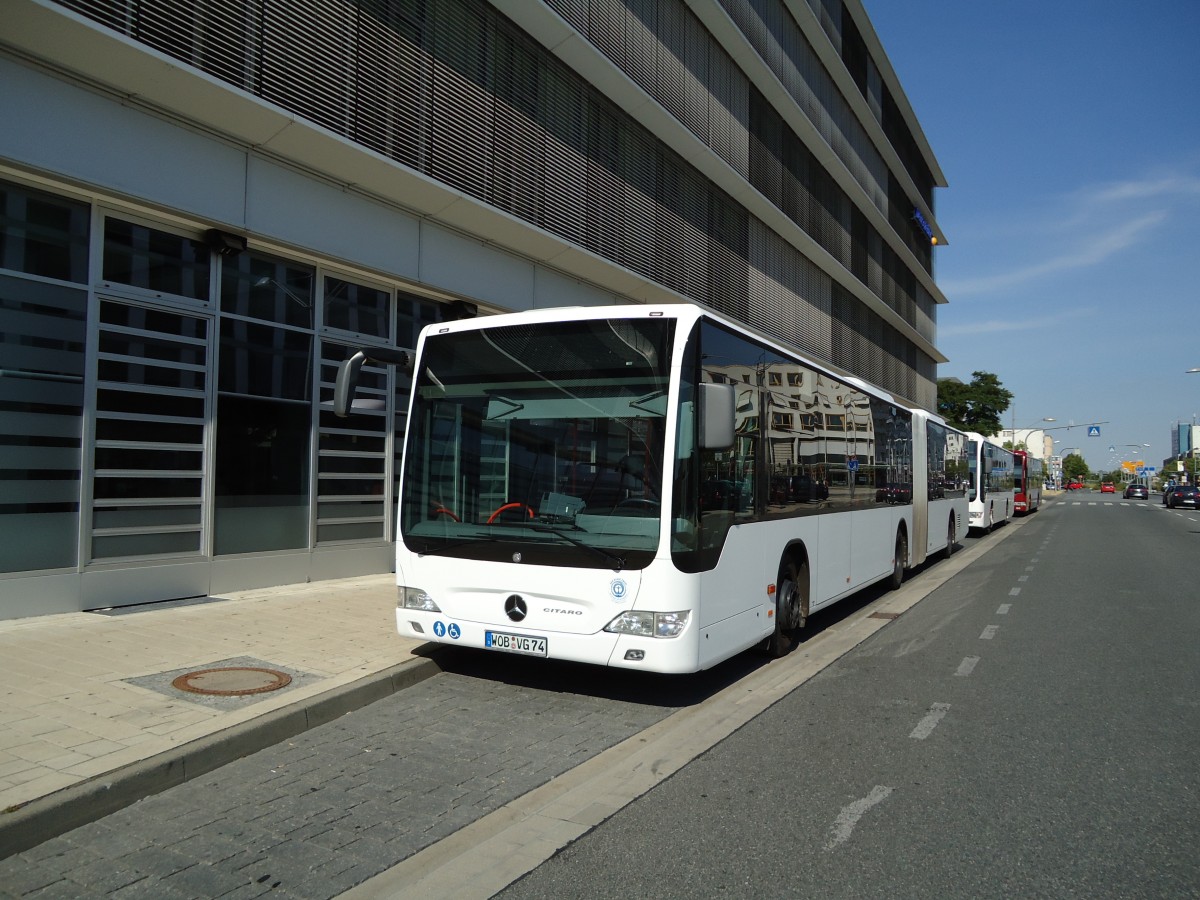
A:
(1124, 191)
(1091, 226)
(1096, 250)
(991, 326)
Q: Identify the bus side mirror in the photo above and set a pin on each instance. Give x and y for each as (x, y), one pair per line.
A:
(716, 416)
(347, 375)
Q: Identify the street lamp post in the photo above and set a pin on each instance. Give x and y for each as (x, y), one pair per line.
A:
(1030, 431)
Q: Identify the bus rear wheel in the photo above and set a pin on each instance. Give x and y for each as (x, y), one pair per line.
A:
(791, 608)
(897, 577)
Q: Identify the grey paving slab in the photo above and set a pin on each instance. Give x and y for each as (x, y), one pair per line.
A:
(90, 721)
(317, 814)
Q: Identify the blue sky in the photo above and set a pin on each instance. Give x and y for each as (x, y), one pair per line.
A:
(1069, 135)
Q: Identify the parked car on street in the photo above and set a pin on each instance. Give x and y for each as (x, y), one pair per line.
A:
(1136, 492)
(1182, 495)
(797, 489)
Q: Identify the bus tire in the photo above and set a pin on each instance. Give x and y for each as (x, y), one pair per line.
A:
(951, 534)
(897, 576)
(791, 608)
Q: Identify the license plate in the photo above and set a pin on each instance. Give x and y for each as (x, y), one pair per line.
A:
(515, 643)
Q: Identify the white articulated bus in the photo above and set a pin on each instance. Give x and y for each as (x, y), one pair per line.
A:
(945, 483)
(651, 487)
(991, 476)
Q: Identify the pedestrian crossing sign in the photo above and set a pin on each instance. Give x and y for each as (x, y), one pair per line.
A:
(1093, 431)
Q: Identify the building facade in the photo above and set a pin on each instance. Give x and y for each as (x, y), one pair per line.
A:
(205, 205)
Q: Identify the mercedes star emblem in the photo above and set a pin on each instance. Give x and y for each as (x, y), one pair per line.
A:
(515, 608)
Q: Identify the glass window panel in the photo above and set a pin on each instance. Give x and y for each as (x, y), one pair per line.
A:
(133, 487)
(262, 464)
(150, 457)
(138, 430)
(115, 401)
(355, 465)
(348, 440)
(264, 287)
(42, 339)
(41, 234)
(353, 531)
(358, 308)
(352, 510)
(146, 516)
(119, 545)
(156, 260)
(263, 361)
(158, 376)
(346, 487)
(414, 313)
(38, 536)
(159, 322)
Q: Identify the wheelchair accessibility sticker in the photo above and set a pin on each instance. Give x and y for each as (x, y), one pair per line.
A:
(441, 630)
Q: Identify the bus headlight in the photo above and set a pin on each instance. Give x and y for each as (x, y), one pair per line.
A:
(416, 598)
(650, 624)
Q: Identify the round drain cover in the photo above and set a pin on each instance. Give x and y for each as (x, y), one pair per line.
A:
(233, 681)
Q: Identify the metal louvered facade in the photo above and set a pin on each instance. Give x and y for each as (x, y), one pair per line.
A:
(378, 164)
(457, 91)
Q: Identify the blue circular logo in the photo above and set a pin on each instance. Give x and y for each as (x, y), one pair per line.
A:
(454, 631)
(617, 588)
(439, 628)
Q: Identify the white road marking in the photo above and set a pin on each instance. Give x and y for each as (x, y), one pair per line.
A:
(844, 824)
(1022, 578)
(989, 632)
(1003, 609)
(926, 725)
(1014, 592)
(967, 666)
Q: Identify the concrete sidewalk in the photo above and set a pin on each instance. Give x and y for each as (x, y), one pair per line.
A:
(92, 719)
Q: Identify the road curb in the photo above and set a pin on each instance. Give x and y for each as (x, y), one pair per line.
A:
(32, 823)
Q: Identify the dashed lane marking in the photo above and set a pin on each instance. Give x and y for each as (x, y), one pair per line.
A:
(967, 666)
(925, 727)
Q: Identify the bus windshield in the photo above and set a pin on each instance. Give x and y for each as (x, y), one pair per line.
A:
(539, 443)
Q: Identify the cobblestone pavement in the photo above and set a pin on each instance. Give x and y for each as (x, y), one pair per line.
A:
(335, 805)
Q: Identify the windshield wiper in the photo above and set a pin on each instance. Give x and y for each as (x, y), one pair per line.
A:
(618, 562)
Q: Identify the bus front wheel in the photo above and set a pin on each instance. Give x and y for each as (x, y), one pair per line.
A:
(951, 534)
(791, 608)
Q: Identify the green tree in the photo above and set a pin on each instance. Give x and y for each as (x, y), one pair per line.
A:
(1075, 468)
(977, 406)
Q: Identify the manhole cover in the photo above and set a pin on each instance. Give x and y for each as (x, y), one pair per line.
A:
(232, 681)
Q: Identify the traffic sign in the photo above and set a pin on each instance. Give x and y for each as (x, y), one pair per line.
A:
(1093, 431)
(852, 464)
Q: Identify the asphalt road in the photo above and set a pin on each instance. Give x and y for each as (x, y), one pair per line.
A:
(1029, 729)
